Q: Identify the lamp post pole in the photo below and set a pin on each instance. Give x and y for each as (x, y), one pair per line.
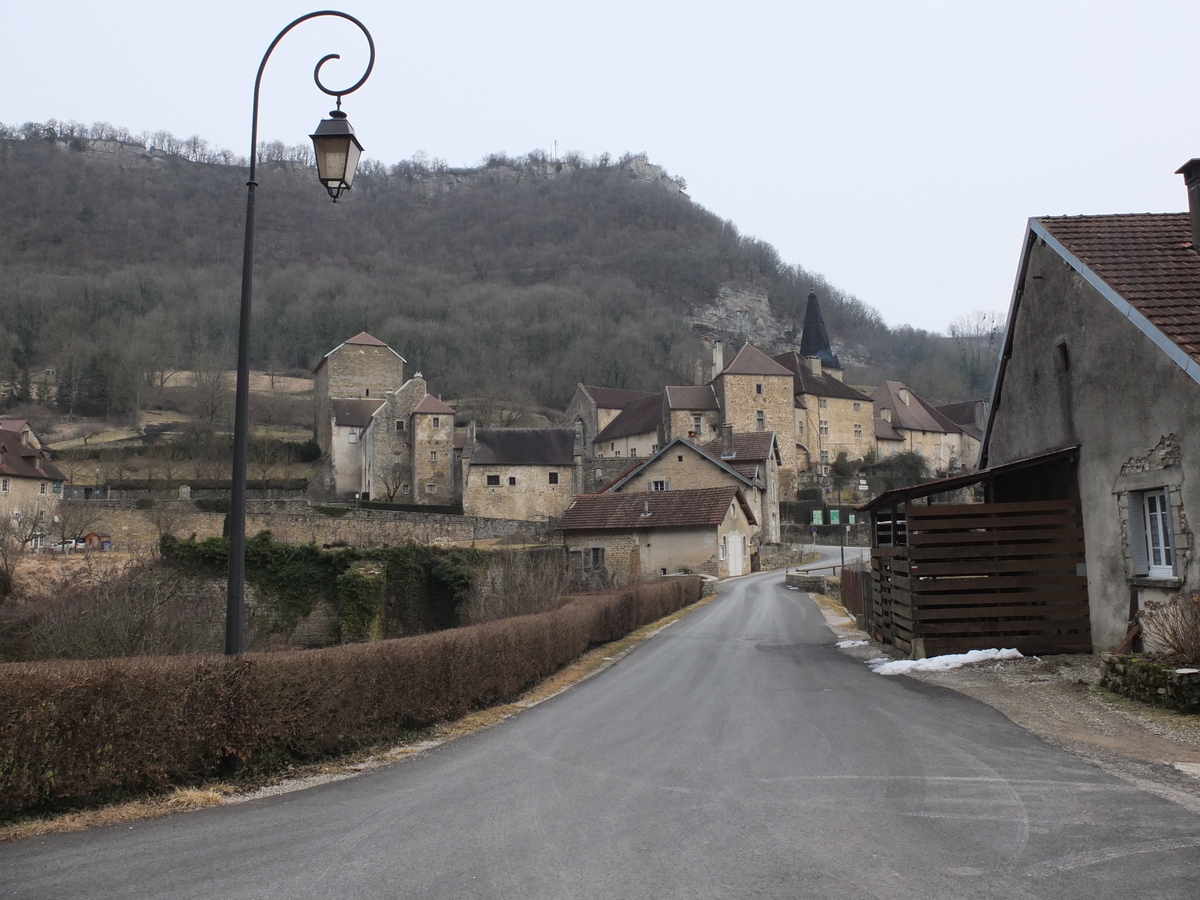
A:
(336, 182)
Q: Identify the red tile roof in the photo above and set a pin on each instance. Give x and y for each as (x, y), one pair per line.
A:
(641, 416)
(653, 509)
(752, 361)
(1148, 259)
(431, 404)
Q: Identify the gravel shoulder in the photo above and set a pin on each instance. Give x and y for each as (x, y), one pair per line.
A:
(1058, 698)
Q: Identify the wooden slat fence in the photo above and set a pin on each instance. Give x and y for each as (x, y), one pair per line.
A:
(984, 575)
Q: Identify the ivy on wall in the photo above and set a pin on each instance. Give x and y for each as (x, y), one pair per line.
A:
(382, 592)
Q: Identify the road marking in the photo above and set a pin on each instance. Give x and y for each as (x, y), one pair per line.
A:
(1108, 854)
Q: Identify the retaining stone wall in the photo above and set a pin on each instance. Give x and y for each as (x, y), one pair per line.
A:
(1152, 682)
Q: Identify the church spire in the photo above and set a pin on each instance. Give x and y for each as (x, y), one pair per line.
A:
(815, 339)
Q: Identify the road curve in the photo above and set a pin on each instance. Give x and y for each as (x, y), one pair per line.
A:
(735, 754)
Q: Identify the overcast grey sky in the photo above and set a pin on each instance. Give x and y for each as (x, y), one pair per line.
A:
(895, 147)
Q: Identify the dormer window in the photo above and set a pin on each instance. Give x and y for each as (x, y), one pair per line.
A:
(904, 396)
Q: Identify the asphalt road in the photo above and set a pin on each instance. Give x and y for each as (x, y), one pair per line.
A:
(736, 754)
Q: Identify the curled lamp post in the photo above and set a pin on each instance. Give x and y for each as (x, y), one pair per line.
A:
(337, 151)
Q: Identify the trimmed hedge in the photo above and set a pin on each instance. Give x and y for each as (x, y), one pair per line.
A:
(78, 730)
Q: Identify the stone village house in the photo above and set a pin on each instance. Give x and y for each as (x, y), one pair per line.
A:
(408, 448)
(617, 538)
(1102, 353)
(29, 482)
(749, 462)
(906, 423)
(520, 473)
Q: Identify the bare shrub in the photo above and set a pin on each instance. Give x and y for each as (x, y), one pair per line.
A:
(1171, 628)
(518, 583)
(134, 609)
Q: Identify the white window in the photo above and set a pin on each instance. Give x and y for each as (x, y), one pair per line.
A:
(822, 403)
(593, 558)
(760, 420)
(436, 421)
(824, 428)
(633, 452)
(659, 485)
(857, 431)
(353, 438)
(431, 488)
(42, 488)
(433, 456)
(824, 456)
(858, 407)
(721, 548)
(937, 451)
(4, 485)
(405, 489)
(1151, 537)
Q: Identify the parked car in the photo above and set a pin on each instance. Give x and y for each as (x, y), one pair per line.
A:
(68, 546)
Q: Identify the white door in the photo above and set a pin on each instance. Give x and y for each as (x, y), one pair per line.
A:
(733, 542)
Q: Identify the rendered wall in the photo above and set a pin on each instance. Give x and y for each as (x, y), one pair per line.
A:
(1119, 399)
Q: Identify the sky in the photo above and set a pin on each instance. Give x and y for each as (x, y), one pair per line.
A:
(897, 148)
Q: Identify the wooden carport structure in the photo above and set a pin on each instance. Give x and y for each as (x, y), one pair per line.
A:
(1006, 572)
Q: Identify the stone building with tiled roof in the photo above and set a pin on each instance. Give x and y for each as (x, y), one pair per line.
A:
(408, 451)
(633, 432)
(830, 417)
(756, 394)
(359, 368)
(617, 538)
(520, 473)
(921, 428)
(1102, 354)
(28, 479)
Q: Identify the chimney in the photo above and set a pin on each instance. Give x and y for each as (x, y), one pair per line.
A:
(814, 365)
(718, 358)
(1190, 171)
(727, 441)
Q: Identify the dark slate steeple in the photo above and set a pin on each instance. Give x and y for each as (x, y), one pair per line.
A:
(814, 342)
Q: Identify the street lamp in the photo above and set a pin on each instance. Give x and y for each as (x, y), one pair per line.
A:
(337, 151)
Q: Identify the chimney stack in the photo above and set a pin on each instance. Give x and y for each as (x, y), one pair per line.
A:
(727, 441)
(1190, 171)
(718, 359)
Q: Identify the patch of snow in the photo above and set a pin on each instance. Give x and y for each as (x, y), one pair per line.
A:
(939, 663)
(842, 645)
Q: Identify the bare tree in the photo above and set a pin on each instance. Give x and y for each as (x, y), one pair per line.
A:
(977, 338)
(19, 527)
(73, 519)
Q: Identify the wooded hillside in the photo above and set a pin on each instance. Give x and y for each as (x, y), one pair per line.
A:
(515, 280)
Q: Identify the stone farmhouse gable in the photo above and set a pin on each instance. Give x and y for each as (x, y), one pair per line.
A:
(27, 476)
(755, 455)
(1102, 353)
(362, 367)
(618, 538)
(756, 394)
(922, 429)
(520, 473)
